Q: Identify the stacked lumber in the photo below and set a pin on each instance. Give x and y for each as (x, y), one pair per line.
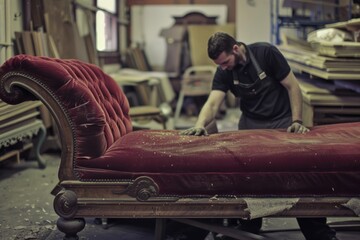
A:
(329, 76)
(341, 49)
(331, 68)
(35, 43)
(318, 91)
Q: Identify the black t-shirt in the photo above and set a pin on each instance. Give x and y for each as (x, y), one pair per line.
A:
(271, 100)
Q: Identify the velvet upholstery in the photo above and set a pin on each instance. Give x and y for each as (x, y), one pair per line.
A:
(323, 162)
(96, 106)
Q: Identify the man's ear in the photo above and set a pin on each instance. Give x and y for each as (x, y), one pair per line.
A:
(235, 49)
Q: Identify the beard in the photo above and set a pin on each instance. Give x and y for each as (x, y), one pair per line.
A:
(236, 61)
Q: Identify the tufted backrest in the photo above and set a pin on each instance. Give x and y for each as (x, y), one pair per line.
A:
(96, 106)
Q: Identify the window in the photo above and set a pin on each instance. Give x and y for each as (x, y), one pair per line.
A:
(106, 26)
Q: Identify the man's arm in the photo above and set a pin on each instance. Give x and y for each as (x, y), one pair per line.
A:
(296, 101)
(207, 113)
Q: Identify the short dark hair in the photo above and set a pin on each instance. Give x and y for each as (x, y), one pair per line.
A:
(218, 43)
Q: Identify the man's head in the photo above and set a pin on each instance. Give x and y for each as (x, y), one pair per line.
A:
(224, 50)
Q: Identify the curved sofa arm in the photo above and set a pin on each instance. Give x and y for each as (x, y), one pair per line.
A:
(88, 106)
(17, 87)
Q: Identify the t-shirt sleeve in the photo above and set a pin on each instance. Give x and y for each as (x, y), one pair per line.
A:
(279, 67)
(221, 79)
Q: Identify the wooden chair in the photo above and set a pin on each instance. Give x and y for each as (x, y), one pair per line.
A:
(196, 81)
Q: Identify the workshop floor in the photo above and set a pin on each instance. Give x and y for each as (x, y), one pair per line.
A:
(27, 213)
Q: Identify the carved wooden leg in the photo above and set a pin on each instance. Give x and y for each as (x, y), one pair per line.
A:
(104, 223)
(70, 227)
(160, 228)
(65, 205)
(37, 142)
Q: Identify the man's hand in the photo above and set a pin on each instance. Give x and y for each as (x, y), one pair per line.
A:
(196, 131)
(297, 127)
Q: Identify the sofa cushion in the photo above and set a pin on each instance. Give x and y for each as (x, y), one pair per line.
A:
(322, 162)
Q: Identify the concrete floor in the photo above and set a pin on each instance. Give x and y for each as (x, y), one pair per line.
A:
(27, 212)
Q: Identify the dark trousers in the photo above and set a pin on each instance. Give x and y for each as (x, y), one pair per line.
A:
(249, 123)
(312, 228)
(315, 228)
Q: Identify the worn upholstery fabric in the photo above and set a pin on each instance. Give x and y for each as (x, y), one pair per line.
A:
(323, 162)
(95, 104)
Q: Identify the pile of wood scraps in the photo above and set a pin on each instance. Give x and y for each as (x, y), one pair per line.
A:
(329, 78)
(36, 43)
(352, 25)
(303, 60)
(341, 49)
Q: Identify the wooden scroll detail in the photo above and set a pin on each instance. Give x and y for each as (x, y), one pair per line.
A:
(65, 204)
(143, 188)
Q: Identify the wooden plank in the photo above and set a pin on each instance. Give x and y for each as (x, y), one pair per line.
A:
(341, 49)
(53, 51)
(351, 25)
(15, 154)
(28, 43)
(331, 100)
(308, 88)
(37, 44)
(9, 111)
(326, 64)
(44, 43)
(337, 110)
(19, 42)
(335, 119)
(18, 119)
(323, 74)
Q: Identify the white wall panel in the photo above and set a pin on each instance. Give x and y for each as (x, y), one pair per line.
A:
(148, 20)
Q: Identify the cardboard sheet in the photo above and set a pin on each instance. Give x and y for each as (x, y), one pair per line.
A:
(258, 207)
(324, 67)
(354, 205)
(198, 38)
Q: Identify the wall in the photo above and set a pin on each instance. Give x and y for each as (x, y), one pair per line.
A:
(229, 3)
(147, 21)
(253, 21)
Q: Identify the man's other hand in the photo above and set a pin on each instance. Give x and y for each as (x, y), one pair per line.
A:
(196, 131)
(297, 128)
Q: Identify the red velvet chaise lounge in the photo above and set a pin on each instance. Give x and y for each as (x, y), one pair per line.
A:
(109, 171)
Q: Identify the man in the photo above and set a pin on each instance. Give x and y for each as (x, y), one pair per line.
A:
(270, 98)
